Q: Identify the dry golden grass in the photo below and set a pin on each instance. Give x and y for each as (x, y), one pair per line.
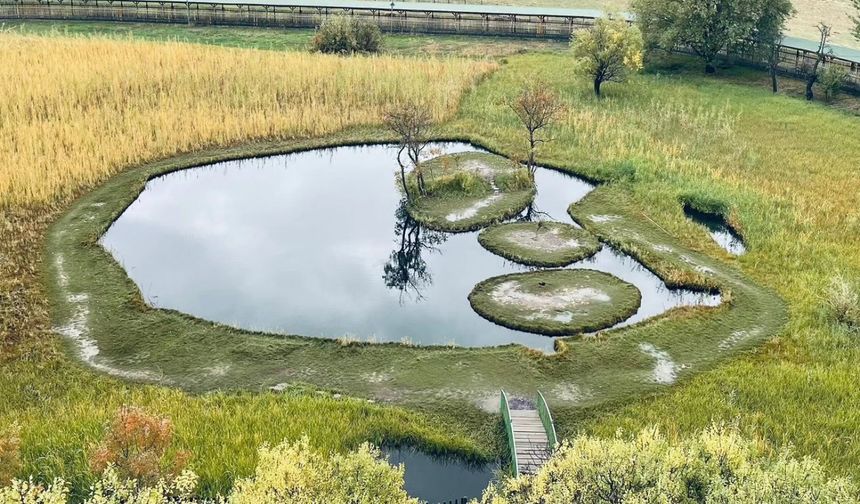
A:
(74, 111)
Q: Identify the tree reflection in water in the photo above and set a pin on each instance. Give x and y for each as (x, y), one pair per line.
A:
(406, 270)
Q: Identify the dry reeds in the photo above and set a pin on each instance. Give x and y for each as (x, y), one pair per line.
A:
(75, 110)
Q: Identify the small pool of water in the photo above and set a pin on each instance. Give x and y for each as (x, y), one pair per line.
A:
(719, 230)
(434, 479)
(319, 244)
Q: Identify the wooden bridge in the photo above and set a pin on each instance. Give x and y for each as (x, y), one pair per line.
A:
(531, 434)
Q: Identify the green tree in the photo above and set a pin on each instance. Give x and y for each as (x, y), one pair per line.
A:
(717, 465)
(812, 71)
(707, 27)
(769, 33)
(608, 52)
(856, 20)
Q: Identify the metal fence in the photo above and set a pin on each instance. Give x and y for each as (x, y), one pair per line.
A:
(402, 17)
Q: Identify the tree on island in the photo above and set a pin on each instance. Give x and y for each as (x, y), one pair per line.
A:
(412, 121)
(707, 27)
(537, 107)
(608, 52)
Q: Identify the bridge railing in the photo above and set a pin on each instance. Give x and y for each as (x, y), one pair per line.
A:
(509, 430)
(546, 420)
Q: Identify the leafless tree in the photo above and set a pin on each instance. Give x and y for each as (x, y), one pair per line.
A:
(412, 121)
(813, 72)
(537, 107)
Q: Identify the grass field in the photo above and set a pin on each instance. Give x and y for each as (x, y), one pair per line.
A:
(280, 40)
(782, 166)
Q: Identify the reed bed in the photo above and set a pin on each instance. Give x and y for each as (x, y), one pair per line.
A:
(76, 110)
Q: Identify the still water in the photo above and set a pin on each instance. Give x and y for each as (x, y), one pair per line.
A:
(719, 230)
(318, 244)
(435, 479)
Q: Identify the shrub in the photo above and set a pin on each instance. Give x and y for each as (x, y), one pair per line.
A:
(518, 180)
(460, 183)
(717, 465)
(30, 492)
(10, 454)
(113, 489)
(831, 81)
(136, 447)
(843, 302)
(347, 35)
(110, 489)
(296, 474)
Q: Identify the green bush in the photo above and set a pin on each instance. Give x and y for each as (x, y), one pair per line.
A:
(289, 473)
(716, 466)
(347, 35)
(460, 183)
(832, 79)
(843, 302)
(518, 180)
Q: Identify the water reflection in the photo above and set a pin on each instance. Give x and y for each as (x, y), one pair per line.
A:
(302, 244)
(719, 230)
(434, 479)
(406, 270)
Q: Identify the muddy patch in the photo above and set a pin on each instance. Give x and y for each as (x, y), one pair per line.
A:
(472, 210)
(665, 370)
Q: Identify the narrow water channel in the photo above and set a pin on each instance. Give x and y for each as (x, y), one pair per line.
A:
(318, 244)
(719, 230)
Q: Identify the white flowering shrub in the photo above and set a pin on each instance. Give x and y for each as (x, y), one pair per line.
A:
(112, 489)
(294, 473)
(716, 466)
(29, 492)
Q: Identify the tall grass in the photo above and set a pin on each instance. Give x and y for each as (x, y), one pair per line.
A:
(75, 110)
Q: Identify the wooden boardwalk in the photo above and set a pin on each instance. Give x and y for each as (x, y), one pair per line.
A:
(531, 434)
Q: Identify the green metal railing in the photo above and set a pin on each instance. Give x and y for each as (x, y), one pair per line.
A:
(512, 444)
(546, 420)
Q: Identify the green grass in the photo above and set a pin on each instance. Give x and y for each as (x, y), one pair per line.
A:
(280, 39)
(532, 301)
(783, 168)
(461, 198)
(544, 244)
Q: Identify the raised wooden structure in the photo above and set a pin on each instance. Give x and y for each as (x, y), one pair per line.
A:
(399, 17)
(531, 435)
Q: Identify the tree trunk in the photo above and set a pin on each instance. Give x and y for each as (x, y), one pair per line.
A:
(710, 68)
(773, 82)
(809, 94)
(597, 83)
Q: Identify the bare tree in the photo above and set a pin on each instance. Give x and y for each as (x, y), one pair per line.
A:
(411, 120)
(812, 72)
(537, 107)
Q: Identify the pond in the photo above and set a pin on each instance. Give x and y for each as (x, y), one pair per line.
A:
(719, 230)
(440, 479)
(319, 244)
